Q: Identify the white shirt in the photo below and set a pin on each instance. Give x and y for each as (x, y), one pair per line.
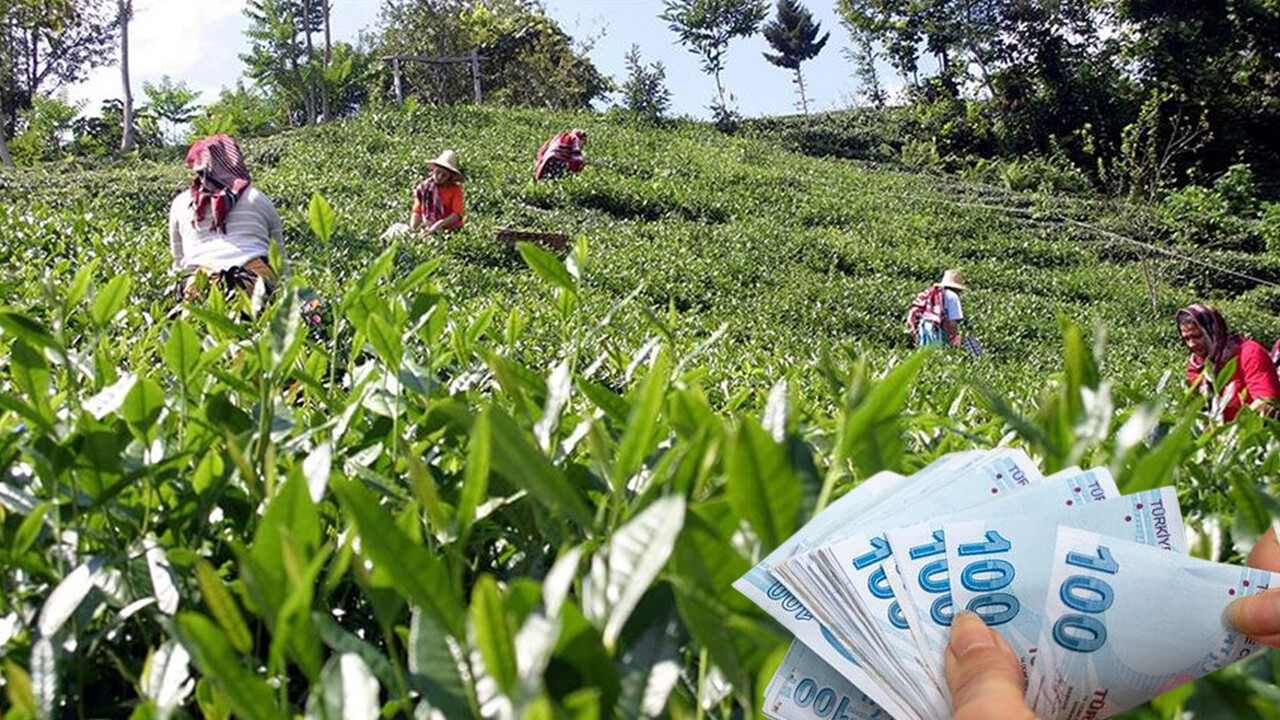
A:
(252, 223)
(951, 299)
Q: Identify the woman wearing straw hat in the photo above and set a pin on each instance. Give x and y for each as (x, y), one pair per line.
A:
(437, 201)
(936, 314)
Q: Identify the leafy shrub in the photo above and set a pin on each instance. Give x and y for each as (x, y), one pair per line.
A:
(463, 454)
(645, 92)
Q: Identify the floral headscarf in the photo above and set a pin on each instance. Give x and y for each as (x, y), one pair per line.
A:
(1223, 345)
(218, 158)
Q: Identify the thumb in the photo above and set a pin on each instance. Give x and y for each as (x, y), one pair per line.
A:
(1258, 616)
(983, 674)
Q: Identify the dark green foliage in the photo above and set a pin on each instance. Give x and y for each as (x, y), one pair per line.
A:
(502, 471)
(644, 92)
(529, 59)
(794, 35)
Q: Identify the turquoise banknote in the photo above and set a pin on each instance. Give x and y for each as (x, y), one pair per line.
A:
(761, 586)
(1125, 622)
(998, 564)
(921, 607)
(807, 688)
(817, 578)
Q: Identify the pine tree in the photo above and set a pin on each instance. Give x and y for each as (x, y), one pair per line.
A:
(794, 34)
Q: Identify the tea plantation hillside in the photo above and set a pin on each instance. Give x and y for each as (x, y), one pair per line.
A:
(794, 256)
(481, 481)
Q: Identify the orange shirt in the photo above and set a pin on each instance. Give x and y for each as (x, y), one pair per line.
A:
(451, 198)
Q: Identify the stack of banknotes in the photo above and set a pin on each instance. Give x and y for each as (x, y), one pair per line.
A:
(1093, 590)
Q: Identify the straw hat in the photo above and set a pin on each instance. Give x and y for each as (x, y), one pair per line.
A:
(953, 279)
(449, 161)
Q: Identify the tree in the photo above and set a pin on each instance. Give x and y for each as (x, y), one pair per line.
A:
(171, 102)
(645, 92)
(281, 57)
(127, 139)
(705, 28)
(46, 44)
(529, 59)
(243, 112)
(863, 57)
(794, 34)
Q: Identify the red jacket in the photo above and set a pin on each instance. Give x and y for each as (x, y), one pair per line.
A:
(1254, 379)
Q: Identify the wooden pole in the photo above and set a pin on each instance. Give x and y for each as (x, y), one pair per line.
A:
(395, 72)
(475, 74)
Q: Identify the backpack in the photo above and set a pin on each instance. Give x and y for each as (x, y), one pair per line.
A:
(929, 304)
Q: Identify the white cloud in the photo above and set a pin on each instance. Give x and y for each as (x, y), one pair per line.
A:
(196, 41)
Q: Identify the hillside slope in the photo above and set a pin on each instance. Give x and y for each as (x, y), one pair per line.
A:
(793, 255)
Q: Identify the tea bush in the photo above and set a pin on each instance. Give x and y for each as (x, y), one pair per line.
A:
(502, 483)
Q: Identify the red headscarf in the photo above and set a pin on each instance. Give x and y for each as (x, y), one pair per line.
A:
(1223, 345)
(218, 158)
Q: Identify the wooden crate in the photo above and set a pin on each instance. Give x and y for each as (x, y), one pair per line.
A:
(551, 241)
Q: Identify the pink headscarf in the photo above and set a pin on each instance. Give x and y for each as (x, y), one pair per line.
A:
(218, 158)
(1223, 345)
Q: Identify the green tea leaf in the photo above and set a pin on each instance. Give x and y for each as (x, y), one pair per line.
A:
(223, 607)
(18, 689)
(320, 215)
(475, 484)
(491, 630)
(182, 351)
(166, 677)
(623, 571)
(111, 300)
(1157, 467)
(29, 530)
(761, 485)
(248, 696)
(343, 641)
(642, 423)
(386, 342)
(30, 331)
(30, 373)
(143, 404)
(80, 284)
(347, 689)
(547, 266)
(418, 574)
(515, 457)
(439, 668)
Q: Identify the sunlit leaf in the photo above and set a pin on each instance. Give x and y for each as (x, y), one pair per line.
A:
(246, 694)
(111, 300)
(490, 629)
(547, 266)
(761, 485)
(622, 571)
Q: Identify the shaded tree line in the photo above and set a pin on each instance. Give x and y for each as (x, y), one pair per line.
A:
(1143, 95)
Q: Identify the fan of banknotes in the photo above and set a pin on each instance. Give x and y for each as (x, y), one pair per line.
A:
(1093, 590)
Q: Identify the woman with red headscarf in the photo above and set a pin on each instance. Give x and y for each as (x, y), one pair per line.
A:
(1212, 347)
(223, 226)
(559, 155)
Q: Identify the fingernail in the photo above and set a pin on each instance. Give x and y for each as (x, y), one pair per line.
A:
(1234, 610)
(969, 633)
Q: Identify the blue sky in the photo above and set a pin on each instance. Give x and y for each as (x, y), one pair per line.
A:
(200, 47)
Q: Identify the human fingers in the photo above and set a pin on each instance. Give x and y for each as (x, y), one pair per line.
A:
(983, 673)
(1258, 616)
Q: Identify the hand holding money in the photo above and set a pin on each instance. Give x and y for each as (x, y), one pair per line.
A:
(1258, 616)
(1087, 593)
(983, 673)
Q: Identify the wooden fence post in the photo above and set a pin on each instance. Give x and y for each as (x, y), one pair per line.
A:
(475, 74)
